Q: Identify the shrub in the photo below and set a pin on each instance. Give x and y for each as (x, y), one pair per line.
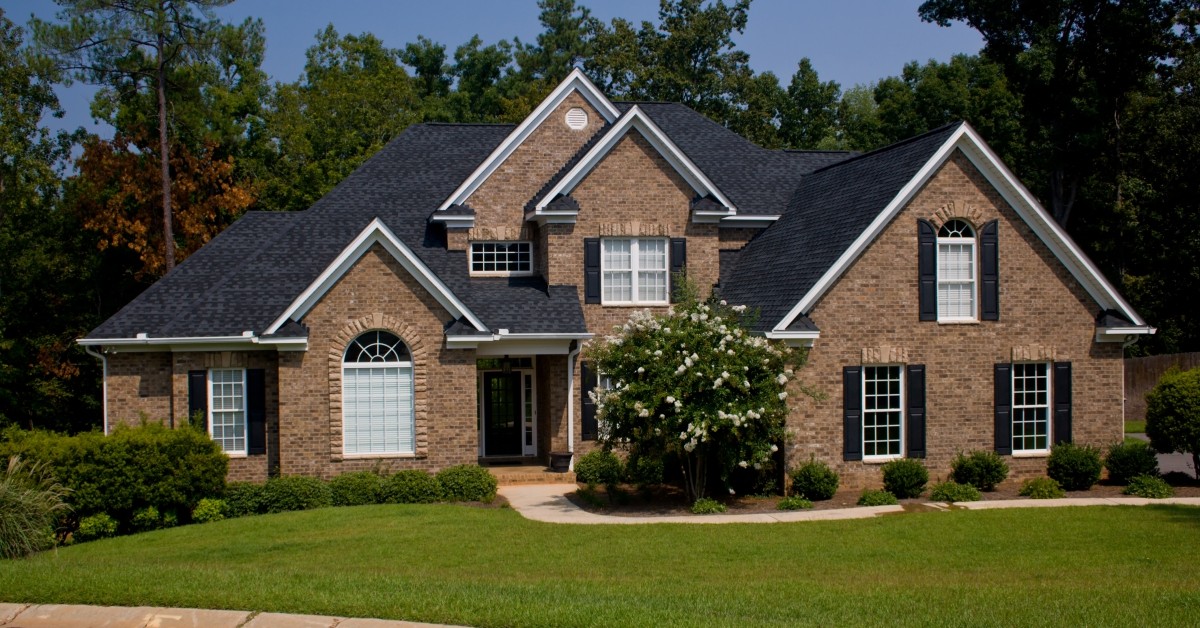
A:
(209, 510)
(794, 503)
(30, 504)
(412, 486)
(1041, 488)
(1130, 459)
(876, 497)
(981, 469)
(707, 506)
(1150, 486)
(905, 477)
(599, 466)
(244, 498)
(97, 526)
(295, 492)
(954, 492)
(814, 480)
(644, 471)
(1074, 467)
(1173, 414)
(358, 488)
(467, 483)
(147, 519)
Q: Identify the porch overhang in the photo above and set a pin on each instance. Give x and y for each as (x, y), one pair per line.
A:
(504, 343)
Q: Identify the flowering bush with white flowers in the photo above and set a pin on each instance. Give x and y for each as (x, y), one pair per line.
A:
(693, 384)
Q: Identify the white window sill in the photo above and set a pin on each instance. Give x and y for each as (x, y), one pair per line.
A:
(524, 273)
(1031, 454)
(236, 454)
(880, 459)
(347, 456)
(653, 304)
(958, 321)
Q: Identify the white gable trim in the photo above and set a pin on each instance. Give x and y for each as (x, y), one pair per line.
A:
(1014, 193)
(576, 81)
(636, 119)
(376, 233)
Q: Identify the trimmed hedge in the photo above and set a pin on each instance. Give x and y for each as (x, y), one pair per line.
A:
(358, 488)
(295, 492)
(599, 466)
(244, 498)
(467, 483)
(814, 480)
(412, 486)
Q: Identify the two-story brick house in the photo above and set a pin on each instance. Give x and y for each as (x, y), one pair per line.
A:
(431, 309)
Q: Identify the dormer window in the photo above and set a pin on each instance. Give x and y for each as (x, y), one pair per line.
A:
(956, 271)
(501, 259)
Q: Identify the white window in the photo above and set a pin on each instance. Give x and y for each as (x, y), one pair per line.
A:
(377, 396)
(634, 271)
(1031, 407)
(501, 258)
(883, 412)
(956, 271)
(227, 409)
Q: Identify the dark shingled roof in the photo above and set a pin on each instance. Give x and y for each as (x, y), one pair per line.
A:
(828, 211)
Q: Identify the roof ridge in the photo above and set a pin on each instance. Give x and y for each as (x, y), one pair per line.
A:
(884, 149)
(436, 123)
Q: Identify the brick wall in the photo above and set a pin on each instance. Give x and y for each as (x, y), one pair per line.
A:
(1044, 314)
(139, 388)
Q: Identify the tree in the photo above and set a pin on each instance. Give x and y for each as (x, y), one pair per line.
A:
(810, 110)
(565, 42)
(693, 385)
(1173, 414)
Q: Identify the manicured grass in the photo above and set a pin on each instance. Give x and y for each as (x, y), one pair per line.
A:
(490, 567)
(1135, 427)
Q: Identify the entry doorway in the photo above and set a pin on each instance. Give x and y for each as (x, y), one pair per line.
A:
(507, 415)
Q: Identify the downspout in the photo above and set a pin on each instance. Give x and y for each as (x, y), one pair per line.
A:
(572, 353)
(103, 384)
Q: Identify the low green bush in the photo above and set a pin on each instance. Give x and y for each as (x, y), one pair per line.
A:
(149, 518)
(599, 466)
(97, 526)
(814, 480)
(467, 483)
(31, 503)
(707, 506)
(644, 471)
(295, 492)
(1074, 467)
(209, 510)
(876, 497)
(952, 491)
(244, 498)
(411, 486)
(1041, 488)
(981, 469)
(1150, 486)
(358, 488)
(1130, 459)
(795, 502)
(905, 477)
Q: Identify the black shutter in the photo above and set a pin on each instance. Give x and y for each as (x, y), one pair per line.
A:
(1004, 409)
(1062, 402)
(591, 270)
(927, 269)
(916, 410)
(198, 397)
(852, 413)
(256, 412)
(989, 270)
(678, 264)
(588, 380)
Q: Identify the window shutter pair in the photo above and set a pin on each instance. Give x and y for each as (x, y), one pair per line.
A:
(256, 406)
(588, 379)
(852, 412)
(989, 271)
(1061, 390)
(591, 267)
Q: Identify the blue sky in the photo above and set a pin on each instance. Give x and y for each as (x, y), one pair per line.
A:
(849, 41)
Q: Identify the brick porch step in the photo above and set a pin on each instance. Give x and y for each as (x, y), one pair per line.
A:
(527, 474)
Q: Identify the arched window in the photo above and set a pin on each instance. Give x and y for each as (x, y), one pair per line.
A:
(956, 271)
(377, 396)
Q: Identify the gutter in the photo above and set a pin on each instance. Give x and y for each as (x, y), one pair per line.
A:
(144, 340)
(571, 355)
(103, 383)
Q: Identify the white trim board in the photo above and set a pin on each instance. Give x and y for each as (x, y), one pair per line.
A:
(576, 81)
(376, 233)
(1014, 193)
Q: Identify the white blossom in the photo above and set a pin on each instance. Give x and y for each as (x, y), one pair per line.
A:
(783, 395)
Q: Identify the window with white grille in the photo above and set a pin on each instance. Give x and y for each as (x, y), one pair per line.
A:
(634, 271)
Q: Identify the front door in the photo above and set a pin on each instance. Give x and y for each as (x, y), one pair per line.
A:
(502, 416)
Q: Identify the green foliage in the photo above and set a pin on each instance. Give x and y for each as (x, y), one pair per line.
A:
(1150, 486)
(412, 486)
(467, 483)
(1130, 459)
(1074, 467)
(147, 519)
(1041, 488)
(244, 498)
(794, 502)
(905, 477)
(954, 492)
(97, 526)
(357, 488)
(707, 506)
(814, 480)
(31, 503)
(876, 497)
(644, 471)
(981, 469)
(1173, 414)
(295, 492)
(599, 466)
(209, 510)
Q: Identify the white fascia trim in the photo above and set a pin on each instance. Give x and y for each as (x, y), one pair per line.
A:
(1122, 334)
(198, 343)
(636, 119)
(764, 220)
(513, 344)
(794, 338)
(457, 221)
(575, 81)
(376, 232)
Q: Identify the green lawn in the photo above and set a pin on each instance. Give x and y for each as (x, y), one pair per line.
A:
(490, 567)
(1135, 427)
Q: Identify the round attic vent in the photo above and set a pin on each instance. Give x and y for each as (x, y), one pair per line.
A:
(577, 118)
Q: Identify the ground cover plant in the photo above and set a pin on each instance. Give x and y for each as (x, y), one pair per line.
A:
(1041, 488)
(427, 563)
(954, 492)
(877, 497)
(1150, 486)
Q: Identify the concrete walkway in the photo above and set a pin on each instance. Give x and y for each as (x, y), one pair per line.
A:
(548, 503)
(79, 616)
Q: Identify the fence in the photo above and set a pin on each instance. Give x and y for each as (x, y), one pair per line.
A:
(1141, 374)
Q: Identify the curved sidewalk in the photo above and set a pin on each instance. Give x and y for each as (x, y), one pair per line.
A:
(548, 503)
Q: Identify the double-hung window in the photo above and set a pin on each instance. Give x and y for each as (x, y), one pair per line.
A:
(377, 396)
(956, 272)
(634, 271)
(501, 259)
(227, 409)
(882, 412)
(1030, 407)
